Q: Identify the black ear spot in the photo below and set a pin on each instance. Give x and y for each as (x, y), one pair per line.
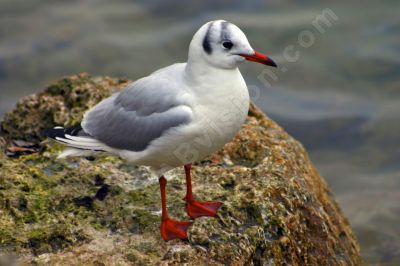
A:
(227, 45)
(207, 41)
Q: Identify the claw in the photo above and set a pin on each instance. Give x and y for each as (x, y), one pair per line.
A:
(171, 229)
(197, 209)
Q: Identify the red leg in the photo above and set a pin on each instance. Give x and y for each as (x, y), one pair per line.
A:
(196, 208)
(170, 229)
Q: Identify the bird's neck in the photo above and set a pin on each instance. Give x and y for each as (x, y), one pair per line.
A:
(199, 71)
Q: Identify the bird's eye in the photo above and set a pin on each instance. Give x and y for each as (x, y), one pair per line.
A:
(227, 45)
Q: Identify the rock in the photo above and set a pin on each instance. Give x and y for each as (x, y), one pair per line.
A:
(277, 208)
(62, 103)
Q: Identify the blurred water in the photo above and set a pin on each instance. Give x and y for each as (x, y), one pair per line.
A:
(341, 98)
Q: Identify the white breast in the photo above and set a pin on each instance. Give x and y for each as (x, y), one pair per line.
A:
(220, 109)
(220, 105)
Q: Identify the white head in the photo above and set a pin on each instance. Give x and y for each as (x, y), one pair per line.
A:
(223, 45)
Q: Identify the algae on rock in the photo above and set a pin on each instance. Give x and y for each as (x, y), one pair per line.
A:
(79, 211)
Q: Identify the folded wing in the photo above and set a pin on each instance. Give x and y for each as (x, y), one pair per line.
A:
(141, 113)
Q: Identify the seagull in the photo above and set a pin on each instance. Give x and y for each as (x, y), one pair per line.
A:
(173, 117)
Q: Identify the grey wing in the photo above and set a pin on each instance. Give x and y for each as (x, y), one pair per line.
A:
(141, 113)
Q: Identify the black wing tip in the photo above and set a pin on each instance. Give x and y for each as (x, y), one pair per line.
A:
(55, 132)
(60, 132)
(73, 131)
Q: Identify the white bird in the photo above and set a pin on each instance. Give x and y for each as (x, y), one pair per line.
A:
(175, 116)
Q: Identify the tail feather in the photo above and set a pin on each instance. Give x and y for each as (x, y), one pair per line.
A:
(71, 152)
(79, 142)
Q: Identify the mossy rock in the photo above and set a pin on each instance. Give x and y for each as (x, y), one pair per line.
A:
(62, 103)
(277, 209)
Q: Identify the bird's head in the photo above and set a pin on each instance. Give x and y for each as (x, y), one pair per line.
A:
(223, 45)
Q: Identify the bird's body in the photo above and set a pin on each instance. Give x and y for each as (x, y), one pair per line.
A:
(216, 106)
(175, 116)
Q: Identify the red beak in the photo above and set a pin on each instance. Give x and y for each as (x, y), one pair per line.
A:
(259, 58)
